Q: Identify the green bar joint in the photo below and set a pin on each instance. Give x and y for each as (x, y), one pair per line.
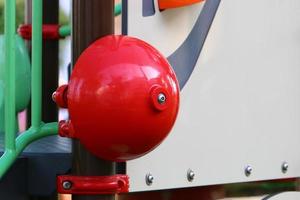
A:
(36, 82)
(22, 141)
(33, 134)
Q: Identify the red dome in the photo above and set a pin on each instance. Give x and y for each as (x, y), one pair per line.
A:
(123, 98)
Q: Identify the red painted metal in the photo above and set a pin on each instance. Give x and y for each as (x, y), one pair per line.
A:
(50, 31)
(167, 4)
(112, 98)
(155, 91)
(92, 184)
(65, 129)
(60, 96)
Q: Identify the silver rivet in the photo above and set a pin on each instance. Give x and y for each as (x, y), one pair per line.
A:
(161, 98)
(248, 170)
(54, 96)
(284, 167)
(190, 175)
(149, 179)
(67, 185)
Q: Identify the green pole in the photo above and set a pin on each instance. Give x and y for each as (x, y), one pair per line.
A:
(36, 82)
(45, 130)
(10, 75)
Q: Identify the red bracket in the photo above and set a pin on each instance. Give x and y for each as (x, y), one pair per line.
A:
(115, 184)
(166, 4)
(50, 31)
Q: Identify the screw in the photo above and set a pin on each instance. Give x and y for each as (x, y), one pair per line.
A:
(284, 167)
(248, 170)
(54, 96)
(67, 185)
(190, 175)
(149, 179)
(161, 98)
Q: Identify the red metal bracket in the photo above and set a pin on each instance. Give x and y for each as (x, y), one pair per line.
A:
(60, 96)
(115, 184)
(65, 129)
(166, 4)
(50, 31)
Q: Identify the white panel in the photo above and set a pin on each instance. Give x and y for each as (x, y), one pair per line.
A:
(241, 105)
(285, 196)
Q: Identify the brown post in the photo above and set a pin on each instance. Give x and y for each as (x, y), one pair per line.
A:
(50, 64)
(91, 19)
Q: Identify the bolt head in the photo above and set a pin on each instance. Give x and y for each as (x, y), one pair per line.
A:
(284, 167)
(149, 179)
(190, 175)
(67, 185)
(248, 170)
(161, 98)
(54, 96)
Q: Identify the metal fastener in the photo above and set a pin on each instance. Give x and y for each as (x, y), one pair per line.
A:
(54, 96)
(161, 98)
(67, 185)
(149, 179)
(284, 167)
(190, 175)
(248, 170)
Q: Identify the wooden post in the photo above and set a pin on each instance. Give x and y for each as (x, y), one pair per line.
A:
(91, 19)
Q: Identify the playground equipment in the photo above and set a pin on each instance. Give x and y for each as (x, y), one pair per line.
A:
(237, 74)
(127, 85)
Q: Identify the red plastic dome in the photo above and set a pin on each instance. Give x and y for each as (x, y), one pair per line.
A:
(123, 98)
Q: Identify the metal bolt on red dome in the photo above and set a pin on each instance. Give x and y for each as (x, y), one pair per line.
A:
(161, 98)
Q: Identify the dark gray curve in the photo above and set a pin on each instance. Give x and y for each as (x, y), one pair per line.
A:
(124, 17)
(148, 8)
(184, 59)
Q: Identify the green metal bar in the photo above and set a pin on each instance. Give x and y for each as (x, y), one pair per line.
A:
(10, 75)
(6, 160)
(22, 141)
(36, 84)
(65, 30)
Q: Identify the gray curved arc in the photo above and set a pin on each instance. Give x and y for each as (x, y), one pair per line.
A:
(184, 59)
